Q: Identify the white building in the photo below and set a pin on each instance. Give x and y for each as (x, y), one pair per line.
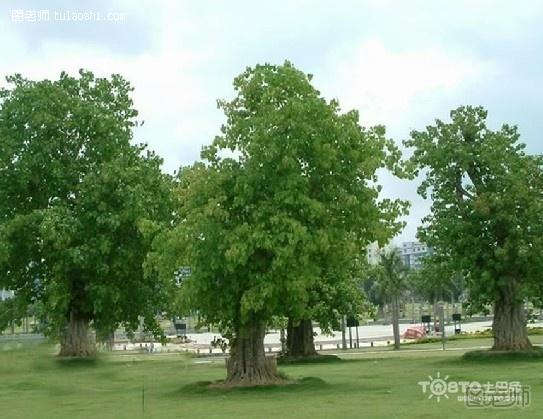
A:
(413, 253)
(372, 253)
(4, 294)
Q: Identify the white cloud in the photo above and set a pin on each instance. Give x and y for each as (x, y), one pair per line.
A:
(402, 89)
(170, 93)
(399, 64)
(384, 84)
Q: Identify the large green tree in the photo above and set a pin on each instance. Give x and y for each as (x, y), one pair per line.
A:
(289, 183)
(79, 206)
(487, 201)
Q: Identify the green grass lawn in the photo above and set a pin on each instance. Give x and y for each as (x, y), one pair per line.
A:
(375, 384)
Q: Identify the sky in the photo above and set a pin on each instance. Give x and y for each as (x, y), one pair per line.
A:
(402, 64)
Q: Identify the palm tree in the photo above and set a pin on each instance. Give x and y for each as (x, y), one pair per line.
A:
(392, 280)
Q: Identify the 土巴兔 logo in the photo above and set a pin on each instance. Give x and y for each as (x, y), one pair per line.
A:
(478, 395)
(438, 387)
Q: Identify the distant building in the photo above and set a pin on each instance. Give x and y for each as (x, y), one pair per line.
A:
(413, 253)
(4, 294)
(372, 253)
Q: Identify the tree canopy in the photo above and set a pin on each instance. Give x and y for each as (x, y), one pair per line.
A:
(285, 203)
(487, 201)
(80, 205)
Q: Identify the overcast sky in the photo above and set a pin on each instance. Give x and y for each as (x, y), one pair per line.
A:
(400, 63)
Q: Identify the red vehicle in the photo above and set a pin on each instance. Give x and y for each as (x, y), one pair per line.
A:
(415, 332)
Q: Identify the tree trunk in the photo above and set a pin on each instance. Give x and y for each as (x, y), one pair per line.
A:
(248, 364)
(110, 341)
(75, 340)
(300, 341)
(381, 312)
(107, 340)
(509, 325)
(283, 341)
(396, 321)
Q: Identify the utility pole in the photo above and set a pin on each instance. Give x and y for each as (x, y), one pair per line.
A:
(442, 322)
(343, 338)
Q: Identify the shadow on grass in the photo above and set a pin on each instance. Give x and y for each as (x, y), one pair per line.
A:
(208, 388)
(317, 359)
(76, 363)
(536, 354)
(299, 388)
(42, 357)
(487, 356)
(46, 362)
(335, 360)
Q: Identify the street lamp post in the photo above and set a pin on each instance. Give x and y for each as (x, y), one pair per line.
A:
(442, 322)
(343, 339)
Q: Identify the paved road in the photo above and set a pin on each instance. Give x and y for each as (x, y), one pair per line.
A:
(378, 335)
(365, 333)
(22, 337)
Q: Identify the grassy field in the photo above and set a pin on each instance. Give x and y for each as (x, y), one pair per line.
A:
(374, 384)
